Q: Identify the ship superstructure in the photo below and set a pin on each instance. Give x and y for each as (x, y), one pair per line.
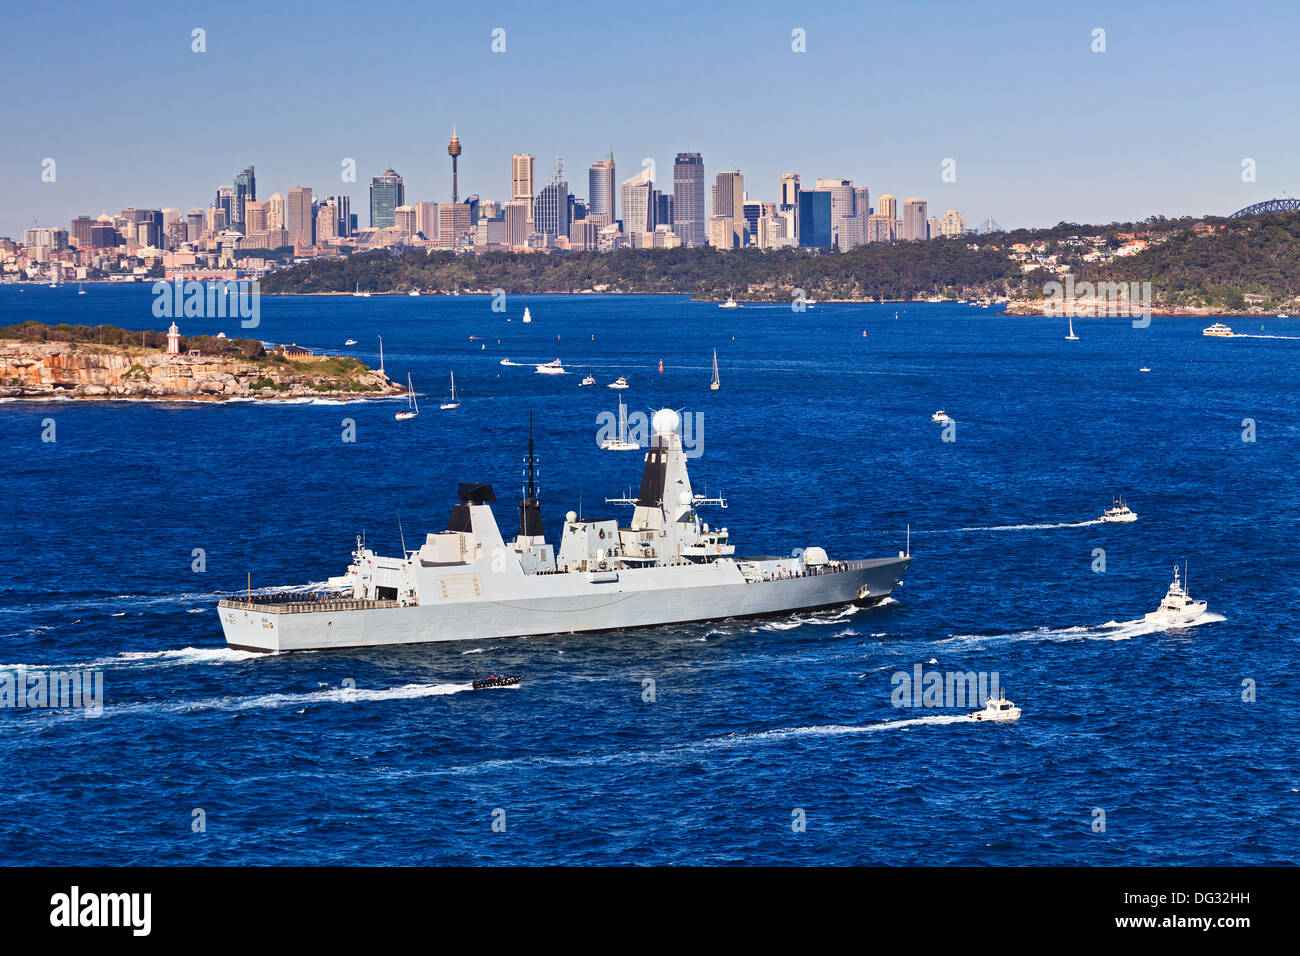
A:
(665, 566)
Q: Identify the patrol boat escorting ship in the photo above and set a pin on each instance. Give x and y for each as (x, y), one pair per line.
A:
(465, 583)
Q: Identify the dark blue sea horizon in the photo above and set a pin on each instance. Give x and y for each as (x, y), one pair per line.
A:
(818, 436)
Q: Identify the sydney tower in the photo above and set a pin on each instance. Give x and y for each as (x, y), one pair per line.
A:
(453, 150)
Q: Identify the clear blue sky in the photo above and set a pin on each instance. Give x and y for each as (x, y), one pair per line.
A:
(1042, 129)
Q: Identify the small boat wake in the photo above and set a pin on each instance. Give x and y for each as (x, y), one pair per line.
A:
(1110, 631)
(1016, 527)
(298, 701)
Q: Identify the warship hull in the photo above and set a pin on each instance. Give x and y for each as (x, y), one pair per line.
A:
(559, 604)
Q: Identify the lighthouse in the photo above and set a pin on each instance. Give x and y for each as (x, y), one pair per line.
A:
(173, 340)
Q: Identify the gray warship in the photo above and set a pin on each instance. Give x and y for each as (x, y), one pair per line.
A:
(666, 566)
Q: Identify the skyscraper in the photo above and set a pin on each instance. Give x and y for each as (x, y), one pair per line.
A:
(453, 150)
(846, 233)
(815, 219)
(551, 207)
(299, 222)
(387, 192)
(521, 176)
(426, 219)
(729, 200)
(255, 216)
(343, 206)
(638, 209)
(690, 218)
(277, 212)
(914, 220)
(600, 188)
(952, 224)
(245, 191)
(404, 220)
(887, 205)
(516, 218)
(789, 190)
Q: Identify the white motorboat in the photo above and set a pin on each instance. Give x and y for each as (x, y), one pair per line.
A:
(1118, 512)
(1000, 710)
(940, 417)
(414, 292)
(551, 368)
(1283, 315)
(620, 443)
(1177, 608)
(452, 401)
(350, 342)
(1219, 329)
(1144, 369)
(412, 406)
(717, 382)
(589, 380)
(528, 316)
(730, 304)
(619, 382)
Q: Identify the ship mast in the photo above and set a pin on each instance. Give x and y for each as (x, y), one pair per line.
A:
(530, 509)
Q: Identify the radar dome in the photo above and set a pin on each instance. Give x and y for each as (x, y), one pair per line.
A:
(666, 422)
(571, 516)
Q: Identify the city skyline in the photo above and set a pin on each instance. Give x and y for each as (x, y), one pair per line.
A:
(1039, 127)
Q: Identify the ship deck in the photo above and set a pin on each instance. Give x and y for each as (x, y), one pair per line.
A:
(280, 605)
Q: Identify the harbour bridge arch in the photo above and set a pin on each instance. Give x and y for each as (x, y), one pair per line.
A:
(1271, 205)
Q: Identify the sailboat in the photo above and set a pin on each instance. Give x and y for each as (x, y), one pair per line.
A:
(620, 443)
(412, 406)
(452, 401)
(1072, 337)
(80, 290)
(528, 316)
(717, 382)
(358, 294)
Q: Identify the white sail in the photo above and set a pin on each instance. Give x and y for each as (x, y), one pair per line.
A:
(717, 382)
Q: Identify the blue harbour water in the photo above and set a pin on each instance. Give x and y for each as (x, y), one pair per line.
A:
(818, 436)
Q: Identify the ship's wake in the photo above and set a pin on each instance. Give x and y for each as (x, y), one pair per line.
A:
(298, 701)
(1015, 527)
(1110, 631)
(112, 604)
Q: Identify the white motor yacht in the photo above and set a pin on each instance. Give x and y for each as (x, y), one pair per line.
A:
(1118, 512)
(940, 417)
(589, 380)
(1000, 710)
(1177, 608)
(730, 304)
(551, 368)
(1219, 329)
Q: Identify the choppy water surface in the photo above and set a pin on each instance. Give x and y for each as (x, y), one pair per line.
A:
(818, 436)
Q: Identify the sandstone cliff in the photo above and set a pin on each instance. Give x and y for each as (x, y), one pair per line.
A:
(59, 369)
